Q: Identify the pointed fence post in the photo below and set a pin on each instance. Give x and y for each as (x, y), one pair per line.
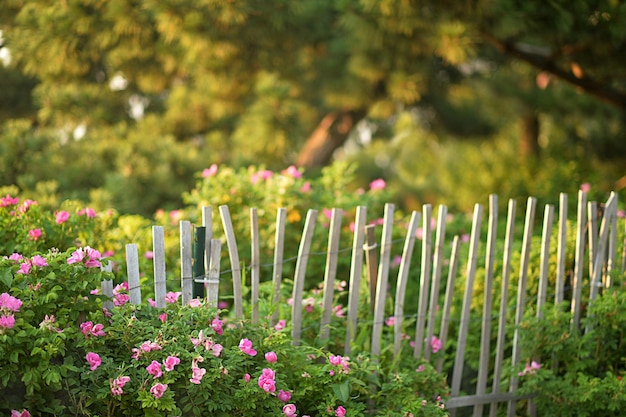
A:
(255, 264)
(212, 283)
(132, 270)
(186, 263)
(579, 259)
(447, 305)
(461, 346)
(107, 287)
(427, 245)
(198, 262)
(356, 266)
(371, 260)
(300, 273)
(521, 296)
(277, 275)
(504, 303)
(233, 253)
(332, 254)
(158, 249)
(381, 284)
(403, 275)
(485, 336)
(561, 250)
(436, 278)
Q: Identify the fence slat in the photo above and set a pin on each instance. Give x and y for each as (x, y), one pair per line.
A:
(383, 275)
(485, 335)
(504, 301)
(107, 291)
(207, 223)
(255, 264)
(403, 274)
(420, 340)
(436, 277)
(610, 210)
(457, 374)
(300, 273)
(371, 260)
(132, 270)
(231, 242)
(212, 283)
(199, 262)
(332, 254)
(521, 294)
(277, 275)
(592, 232)
(606, 279)
(158, 249)
(356, 266)
(186, 265)
(561, 250)
(447, 304)
(579, 258)
(544, 270)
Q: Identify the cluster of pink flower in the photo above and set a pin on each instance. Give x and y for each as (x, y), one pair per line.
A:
(27, 264)
(90, 257)
(120, 294)
(154, 368)
(9, 305)
(147, 346)
(8, 201)
(89, 329)
(117, 384)
(23, 413)
(342, 361)
(48, 324)
(196, 372)
(267, 380)
(530, 368)
(207, 343)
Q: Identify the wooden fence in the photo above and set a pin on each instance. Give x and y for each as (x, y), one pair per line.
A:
(595, 253)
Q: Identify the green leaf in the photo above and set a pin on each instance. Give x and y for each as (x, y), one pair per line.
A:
(6, 277)
(342, 391)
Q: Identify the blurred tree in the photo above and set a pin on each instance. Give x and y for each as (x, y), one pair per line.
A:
(252, 81)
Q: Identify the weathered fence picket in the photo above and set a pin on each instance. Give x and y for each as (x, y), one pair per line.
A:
(595, 252)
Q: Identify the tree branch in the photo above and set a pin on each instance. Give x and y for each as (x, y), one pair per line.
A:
(543, 62)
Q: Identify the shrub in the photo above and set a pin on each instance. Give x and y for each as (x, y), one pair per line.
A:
(580, 371)
(63, 354)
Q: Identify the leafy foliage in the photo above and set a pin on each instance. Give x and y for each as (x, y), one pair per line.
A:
(64, 354)
(582, 370)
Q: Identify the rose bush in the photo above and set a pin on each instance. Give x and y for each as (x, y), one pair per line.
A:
(63, 354)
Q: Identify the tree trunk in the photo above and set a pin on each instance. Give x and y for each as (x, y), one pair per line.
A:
(529, 141)
(329, 135)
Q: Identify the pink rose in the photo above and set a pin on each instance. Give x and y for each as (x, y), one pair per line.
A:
(62, 216)
(170, 363)
(377, 184)
(289, 410)
(284, 396)
(154, 369)
(94, 360)
(271, 357)
(158, 390)
(435, 344)
(245, 345)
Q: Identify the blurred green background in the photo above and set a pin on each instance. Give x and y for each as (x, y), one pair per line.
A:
(120, 103)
